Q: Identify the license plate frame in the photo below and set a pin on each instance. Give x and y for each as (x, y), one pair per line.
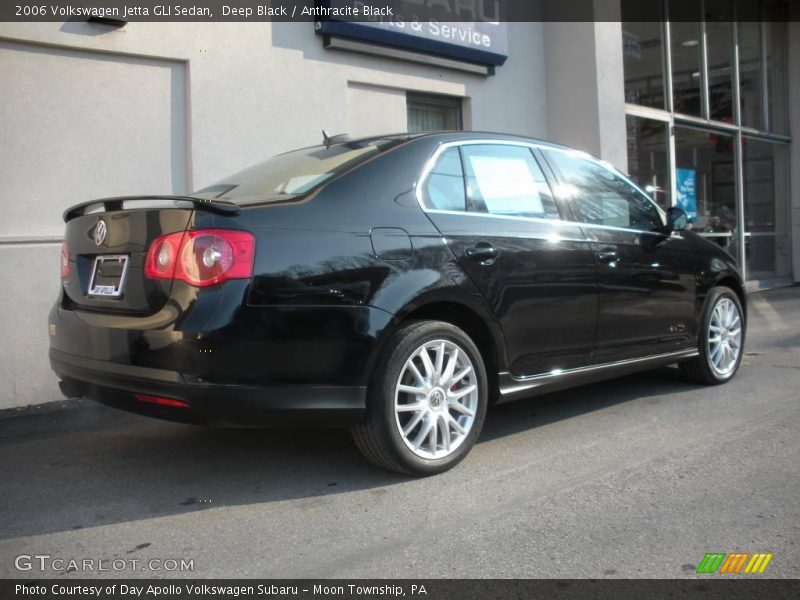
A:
(108, 291)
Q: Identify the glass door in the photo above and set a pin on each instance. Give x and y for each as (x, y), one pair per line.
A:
(766, 209)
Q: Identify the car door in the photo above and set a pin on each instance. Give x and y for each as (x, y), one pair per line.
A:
(495, 208)
(645, 275)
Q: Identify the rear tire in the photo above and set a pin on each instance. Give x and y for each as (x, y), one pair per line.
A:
(720, 340)
(426, 402)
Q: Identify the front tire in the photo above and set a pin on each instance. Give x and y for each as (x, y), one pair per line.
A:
(426, 402)
(720, 339)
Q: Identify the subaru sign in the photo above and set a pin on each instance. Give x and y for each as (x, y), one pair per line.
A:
(412, 26)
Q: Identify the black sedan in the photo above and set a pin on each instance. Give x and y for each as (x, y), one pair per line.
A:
(396, 285)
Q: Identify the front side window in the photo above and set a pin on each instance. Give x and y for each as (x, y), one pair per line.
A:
(601, 197)
(507, 181)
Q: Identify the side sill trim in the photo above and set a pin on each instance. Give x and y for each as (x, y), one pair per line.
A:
(522, 384)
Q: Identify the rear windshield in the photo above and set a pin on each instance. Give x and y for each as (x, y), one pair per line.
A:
(297, 173)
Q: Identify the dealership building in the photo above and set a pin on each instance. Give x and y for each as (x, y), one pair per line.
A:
(701, 113)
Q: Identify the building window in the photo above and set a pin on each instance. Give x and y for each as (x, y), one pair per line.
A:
(643, 56)
(698, 140)
(751, 88)
(648, 158)
(766, 209)
(706, 183)
(428, 112)
(685, 52)
(776, 47)
(719, 58)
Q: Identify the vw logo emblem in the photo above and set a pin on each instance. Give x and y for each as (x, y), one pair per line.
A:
(436, 399)
(100, 232)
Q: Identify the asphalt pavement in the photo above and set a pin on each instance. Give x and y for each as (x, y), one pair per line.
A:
(634, 477)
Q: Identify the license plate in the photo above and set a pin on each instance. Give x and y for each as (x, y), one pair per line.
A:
(108, 275)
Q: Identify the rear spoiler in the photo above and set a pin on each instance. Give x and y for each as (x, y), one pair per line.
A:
(109, 204)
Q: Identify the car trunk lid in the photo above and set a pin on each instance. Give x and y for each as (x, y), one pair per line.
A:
(107, 241)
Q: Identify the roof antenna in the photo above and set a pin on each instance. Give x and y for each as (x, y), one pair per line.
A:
(333, 139)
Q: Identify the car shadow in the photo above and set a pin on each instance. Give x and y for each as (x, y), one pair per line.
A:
(527, 414)
(88, 465)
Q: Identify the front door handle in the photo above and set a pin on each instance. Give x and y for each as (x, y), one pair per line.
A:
(483, 252)
(608, 256)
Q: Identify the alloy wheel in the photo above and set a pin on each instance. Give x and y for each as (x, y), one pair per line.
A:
(724, 337)
(436, 399)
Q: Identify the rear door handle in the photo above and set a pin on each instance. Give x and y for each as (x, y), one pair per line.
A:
(608, 255)
(483, 252)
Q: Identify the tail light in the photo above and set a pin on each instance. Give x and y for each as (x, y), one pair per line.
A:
(202, 257)
(65, 268)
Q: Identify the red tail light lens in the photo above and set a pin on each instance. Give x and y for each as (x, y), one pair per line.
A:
(162, 256)
(65, 268)
(202, 257)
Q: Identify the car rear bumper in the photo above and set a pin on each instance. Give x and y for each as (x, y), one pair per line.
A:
(119, 385)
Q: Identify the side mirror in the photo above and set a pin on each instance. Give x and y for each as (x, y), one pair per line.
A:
(677, 219)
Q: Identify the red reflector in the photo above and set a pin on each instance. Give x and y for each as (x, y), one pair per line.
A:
(160, 400)
(65, 269)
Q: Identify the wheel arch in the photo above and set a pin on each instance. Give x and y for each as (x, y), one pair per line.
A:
(729, 281)
(481, 329)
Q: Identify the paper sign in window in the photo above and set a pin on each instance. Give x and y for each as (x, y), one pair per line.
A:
(506, 185)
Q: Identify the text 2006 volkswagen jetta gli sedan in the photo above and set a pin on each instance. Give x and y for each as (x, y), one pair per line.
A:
(395, 285)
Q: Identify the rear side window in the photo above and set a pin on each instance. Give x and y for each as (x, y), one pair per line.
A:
(444, 186)
(507, 180)
(601, 197)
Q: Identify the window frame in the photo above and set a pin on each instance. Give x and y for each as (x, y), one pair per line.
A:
(553, 177)
(538, 158)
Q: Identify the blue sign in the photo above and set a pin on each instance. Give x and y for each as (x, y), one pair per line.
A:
(686, 180)
(480, 42)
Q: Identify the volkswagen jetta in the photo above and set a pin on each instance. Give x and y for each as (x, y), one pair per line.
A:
(395, 285)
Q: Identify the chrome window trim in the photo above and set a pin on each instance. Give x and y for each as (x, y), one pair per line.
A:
(613, 228)
(466, 213)
(459, 213)
(533, 381)
(429, 164)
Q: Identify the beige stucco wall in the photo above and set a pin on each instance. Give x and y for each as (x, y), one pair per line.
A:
(586, 88)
